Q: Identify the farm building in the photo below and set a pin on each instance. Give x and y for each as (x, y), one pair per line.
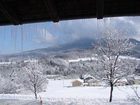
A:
(77, 83)
(137, 80)
(122, 82)
(137, 72)
(91, 81)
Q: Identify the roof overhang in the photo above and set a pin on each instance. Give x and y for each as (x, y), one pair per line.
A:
(28, 11)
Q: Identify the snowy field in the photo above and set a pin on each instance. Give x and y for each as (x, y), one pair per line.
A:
(60, 92)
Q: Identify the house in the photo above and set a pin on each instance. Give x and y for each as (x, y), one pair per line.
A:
(137, 72)
(77, 83)
(91, 81)
(87, 79)
(131, 80)
(137, 80)
(122, 82)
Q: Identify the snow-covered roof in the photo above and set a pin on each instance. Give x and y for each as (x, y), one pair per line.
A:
(88, 76)
(82, 59)
(31, 61)
(137, 77)
(78, 80)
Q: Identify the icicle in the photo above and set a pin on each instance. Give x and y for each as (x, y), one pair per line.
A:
(11, 37)
(15, 36)
(29, 32)
(4, 38)
(24, 32)
(97, 25)
(4, 34)
(105, 23)
(22, 37)
(100, 27)
(36, 28)
(45, 31)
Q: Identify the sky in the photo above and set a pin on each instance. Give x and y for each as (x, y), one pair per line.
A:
(14, 39)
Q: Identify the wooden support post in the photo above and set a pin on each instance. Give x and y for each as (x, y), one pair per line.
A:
(100, 9)
(52, 10)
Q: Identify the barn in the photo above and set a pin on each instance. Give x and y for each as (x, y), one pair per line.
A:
(77, 83)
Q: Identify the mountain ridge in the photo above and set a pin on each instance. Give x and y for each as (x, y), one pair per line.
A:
(78, 46)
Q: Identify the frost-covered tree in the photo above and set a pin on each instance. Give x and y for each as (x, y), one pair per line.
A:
(110, 66)
(33, 78)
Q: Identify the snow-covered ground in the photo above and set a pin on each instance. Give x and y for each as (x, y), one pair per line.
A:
(60, 92)
(82, 59)
(95, 58)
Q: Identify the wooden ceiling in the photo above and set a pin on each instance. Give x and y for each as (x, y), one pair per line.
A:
(28, 11)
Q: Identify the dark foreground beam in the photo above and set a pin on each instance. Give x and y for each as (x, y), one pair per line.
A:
(29, 11)
(9, 14)
(51, 10)
(100, 9)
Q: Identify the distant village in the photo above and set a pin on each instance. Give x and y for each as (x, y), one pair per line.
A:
(88, 80)
(85, 80)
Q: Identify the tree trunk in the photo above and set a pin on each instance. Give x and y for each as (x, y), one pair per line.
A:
(35, 95)
(35, 92)
(111, 92)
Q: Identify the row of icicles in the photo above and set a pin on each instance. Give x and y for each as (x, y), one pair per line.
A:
(17, 36)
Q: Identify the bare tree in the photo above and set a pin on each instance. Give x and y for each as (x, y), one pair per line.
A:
(34, 80)
(110, 66)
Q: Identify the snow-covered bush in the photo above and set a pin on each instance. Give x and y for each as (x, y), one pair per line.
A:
(7, 86)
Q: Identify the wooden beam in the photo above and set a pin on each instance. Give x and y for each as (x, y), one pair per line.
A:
(9, 14)
(99, 9)
(52, 10)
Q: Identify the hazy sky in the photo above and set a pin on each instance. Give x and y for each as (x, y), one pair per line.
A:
(15, 39)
